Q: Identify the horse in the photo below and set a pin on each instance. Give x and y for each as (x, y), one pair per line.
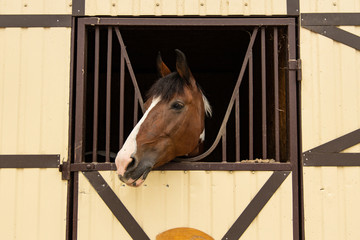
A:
(173, 124)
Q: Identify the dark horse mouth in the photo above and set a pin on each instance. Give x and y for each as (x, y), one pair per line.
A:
(136, 181)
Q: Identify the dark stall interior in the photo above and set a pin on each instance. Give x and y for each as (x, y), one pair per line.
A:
(215, 56)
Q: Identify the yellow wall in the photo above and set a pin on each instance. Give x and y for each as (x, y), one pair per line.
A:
(34, 106)
(208, 201)
(324, 6)
(185, 7)
(330, 101)
(35, 7)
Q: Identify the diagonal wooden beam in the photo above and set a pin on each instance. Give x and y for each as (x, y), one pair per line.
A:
(256, 205)
(337, 34)
(115, 205)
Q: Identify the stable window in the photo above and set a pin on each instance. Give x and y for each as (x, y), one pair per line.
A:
(246, 67)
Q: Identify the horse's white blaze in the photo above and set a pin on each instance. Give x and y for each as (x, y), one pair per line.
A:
(123, 157)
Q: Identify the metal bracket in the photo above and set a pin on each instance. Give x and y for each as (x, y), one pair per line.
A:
(295, 65)
(65, 170)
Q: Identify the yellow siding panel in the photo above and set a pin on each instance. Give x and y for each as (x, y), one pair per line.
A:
(330, 89)
(208, 201)
(35, 7)
(33, 204)
(321, 6)
(331, 196)
(34, 100)
(185, 7)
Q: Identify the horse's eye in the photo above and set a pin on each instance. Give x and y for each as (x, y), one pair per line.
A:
(177, 105)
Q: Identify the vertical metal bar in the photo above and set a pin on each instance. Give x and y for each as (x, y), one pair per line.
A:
(298, 227)
(131, 71)
(136, 108)
(108, 95)
(122, 91)
(79, 139)
(276, 96)
(96, 93)
(70, 185)
(224, 146)
(263, 93)
(251, 108)
(237, 128)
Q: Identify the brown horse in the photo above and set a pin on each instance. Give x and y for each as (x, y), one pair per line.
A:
(172, 125)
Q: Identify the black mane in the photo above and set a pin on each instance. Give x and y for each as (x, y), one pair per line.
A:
(167, 87)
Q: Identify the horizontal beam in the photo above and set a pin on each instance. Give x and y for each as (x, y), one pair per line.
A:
(331, 159)
(29, 161)
(32, 20)
(187, 22)
(182, 166)
(330, 19)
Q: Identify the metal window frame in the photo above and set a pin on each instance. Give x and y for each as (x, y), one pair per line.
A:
(79, 165)
(281, 171)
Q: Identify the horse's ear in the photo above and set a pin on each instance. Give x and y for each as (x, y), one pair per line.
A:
(162, 68)
(182, 67)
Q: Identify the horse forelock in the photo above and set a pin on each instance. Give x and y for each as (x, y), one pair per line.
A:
(166, 87)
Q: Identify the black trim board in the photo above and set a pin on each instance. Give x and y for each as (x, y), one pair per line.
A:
(292, 7)
(330, 19)
(29, 161)
(256, 205)
(115, 205)
(337, 34)
(34, 20)
(78, 7)
(329, 154)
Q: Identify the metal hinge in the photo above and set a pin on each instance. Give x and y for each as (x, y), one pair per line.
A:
(295, 65)
(64, 168)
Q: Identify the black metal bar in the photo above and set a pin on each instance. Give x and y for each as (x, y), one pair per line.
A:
(33, 20)
(115, 205)
(292, 136)
(78, 7)
(331, 159)
(263, 93)
(337, 34)
(122, 95)
(237, 128)
(136, 109)
(256, 205)
(293, 7)
(223, 141)
(75, 203)
(208, 22)
(251, 108)
(96, 93)
(232, 100)
(276, 96)
(29, 161)
(80, 93)
(330, 19)
(108, 94)
(203, 166)
(129, 66)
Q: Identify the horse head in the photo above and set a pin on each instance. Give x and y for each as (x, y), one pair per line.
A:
(172, 125)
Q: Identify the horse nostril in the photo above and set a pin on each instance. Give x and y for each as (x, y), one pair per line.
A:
(131, 164)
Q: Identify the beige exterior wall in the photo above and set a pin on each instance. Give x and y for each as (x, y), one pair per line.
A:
(35, 7)
(324, 6)
(185, 7)
(208, 201)
(34, 106)
(330, 101)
